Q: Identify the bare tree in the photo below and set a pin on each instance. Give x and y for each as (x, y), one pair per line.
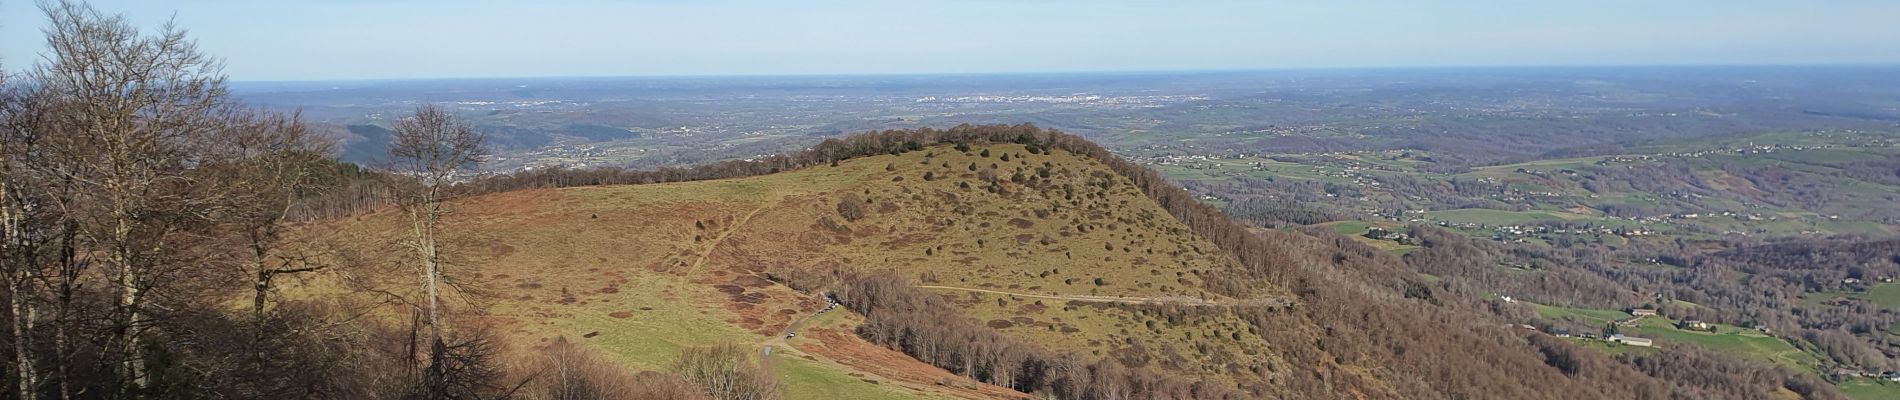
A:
(135, 111)
(568, 371)
(41, 259)
(16, 258)
(35, 239)
(37, 254)
(728, 372)
(431, 150)
(274, 161)
(266, 162)
(123, 150)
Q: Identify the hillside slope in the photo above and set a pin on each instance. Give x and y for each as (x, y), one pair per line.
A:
(649, 269)
(1040, 236)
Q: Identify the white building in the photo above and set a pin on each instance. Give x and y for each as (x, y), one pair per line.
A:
(1633, 341)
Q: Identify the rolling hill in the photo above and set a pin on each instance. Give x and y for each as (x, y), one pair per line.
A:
(652, 268)
(1037, 236)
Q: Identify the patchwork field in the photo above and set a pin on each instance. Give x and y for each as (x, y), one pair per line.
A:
(1357, 231)
(1727, 339)
(1886, 295)
(1773, 183)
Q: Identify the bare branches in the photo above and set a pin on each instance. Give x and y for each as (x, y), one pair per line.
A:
(434, 147)
(127, 117)
(430, 150)
(141, 164)
(728, 372)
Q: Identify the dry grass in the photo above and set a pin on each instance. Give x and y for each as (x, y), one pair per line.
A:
(641, 271)
(1219, 345)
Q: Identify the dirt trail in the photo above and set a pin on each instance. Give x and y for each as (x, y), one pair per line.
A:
(1178, 300)
(892, 368)
(722, 239)
(779, 339)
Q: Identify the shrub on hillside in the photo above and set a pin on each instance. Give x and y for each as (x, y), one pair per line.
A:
(728, 372)
(852, 207)
(565, 371)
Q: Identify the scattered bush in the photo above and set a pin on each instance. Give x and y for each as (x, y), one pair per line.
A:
(565, 371)
(851, 207)
(728, 372)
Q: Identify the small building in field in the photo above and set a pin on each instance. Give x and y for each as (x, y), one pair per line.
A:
(1642, 312)
(1633, 341)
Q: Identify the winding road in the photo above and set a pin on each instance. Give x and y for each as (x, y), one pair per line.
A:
(792, 328)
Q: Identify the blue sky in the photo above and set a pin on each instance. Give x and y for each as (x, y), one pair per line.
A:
(395, 39)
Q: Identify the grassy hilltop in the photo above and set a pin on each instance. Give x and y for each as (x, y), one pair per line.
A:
(641, 271)
(1052, 254)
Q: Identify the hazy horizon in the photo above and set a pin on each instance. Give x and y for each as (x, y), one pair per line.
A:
(348, 40)
(1174, 72)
